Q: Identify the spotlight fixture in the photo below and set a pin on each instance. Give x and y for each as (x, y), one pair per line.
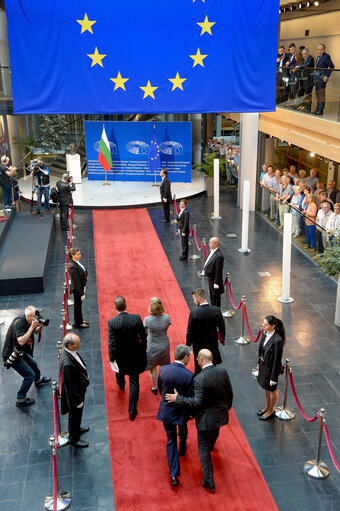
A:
(308, 4)
(279, 11)
(316, 4)
(301, 6)
(312, 155)
(292, 7)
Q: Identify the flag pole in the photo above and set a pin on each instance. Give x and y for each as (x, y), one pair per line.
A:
(106, 183)
(155, 183)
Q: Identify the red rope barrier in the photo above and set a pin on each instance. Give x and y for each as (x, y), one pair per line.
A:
(330, 448)
(248, 328)
(195, 236)
(205, 251)
(175, 207)
(190, 230)
(231, 298)
(309, 419)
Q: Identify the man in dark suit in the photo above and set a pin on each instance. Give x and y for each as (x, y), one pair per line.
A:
(281, 76)
(324, 66)
(73, 388)
(213, 397)
(306, 80)
(291, 65)
(205, 326)
(213, 269)
(183, 219)
(173, 376)
(65, 188)
(165, 190)
(127, 350)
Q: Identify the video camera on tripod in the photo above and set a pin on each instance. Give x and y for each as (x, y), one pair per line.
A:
(34, 167)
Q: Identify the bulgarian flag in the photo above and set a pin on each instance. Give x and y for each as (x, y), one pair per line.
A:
(104, 156)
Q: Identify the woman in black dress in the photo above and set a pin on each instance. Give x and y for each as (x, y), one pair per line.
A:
(270, 354)
(78, 274)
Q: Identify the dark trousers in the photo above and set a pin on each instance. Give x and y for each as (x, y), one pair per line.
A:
(63, 217)
(7, 189)
(134, 389)
(206, 441)
(171, 446)
(166, 210)
(27, 367)
(78, 315)
(319, 241)
(74, 422)
(185, 244)
(215, 295)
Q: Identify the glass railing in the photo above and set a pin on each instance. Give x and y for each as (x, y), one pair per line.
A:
(5, 83)
(309, 91)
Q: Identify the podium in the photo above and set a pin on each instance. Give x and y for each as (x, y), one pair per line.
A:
(73, 166)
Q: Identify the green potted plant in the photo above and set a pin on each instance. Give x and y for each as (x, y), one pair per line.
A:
(207, 167)
(330, 263)
(26, 144)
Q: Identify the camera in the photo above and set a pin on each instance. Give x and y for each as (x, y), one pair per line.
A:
(69, 179)
(12, 358)
(34, 166)
(38, 317)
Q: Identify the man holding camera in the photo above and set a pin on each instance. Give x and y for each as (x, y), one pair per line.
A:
(65, 188)
(42, 173)
(5, 182)
(18, 352)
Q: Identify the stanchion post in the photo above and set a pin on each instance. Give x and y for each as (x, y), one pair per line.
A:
(228, 313)
(194, 257)
(216, 215)
(68, 325)
(283, 412)
(70, 302)
(59, 500)
(174, 221)
(62, 437)
(155, 183)
(286, 259)
(201, 273)
(245, 218)
(315, 468)
(242, 339)
(60, 347)
(255, 372)
(72, 215)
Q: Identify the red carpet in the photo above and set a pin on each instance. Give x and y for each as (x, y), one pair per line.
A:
(130, 261)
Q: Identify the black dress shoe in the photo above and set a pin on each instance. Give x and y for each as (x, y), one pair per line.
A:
(183, 258)
(84, 430)
(133, 415)
(260, 412)
(271, 416)
(163, 221)
(207, 486)
(84, 325)
(42, 381)
(80, 444)
(182, 449)
(174, 481)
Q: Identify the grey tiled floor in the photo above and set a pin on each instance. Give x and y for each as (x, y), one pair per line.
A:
(280, 448)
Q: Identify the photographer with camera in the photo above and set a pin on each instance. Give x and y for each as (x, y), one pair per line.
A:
(18, 352)
(41, 173)
(65, 188)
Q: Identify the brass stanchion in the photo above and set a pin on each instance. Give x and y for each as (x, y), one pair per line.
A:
(315, 468)
(62, 437)
(255, 372)
(242, 340)
(194, 257)
(155, 183)
(228, 313)
(59, 500)
(283, 412)
(106, 183)
(201, 273)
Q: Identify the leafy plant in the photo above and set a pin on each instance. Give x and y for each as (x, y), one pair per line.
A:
(207, 165)
(330, 261)
(26, 144)
(50, 130)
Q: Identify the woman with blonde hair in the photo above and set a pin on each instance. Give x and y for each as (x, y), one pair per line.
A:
(158, 344)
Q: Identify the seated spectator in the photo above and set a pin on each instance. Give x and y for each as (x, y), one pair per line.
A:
(266, 184)
(333, 224)
(302, 174)
(310, 210)
(312, 180)
(296, 202)
(322, 218)
(331, 191)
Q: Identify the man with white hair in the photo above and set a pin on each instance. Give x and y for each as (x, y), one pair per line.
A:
(5, 183)
(213, 269)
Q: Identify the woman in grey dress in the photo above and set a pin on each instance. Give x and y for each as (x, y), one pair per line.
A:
(158, 347)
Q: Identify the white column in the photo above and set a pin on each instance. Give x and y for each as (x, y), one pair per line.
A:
(218, 125)
(248, 163)
(216, 190)
(245, 219)
(4, 54)
(286, 258)
(196, 137)
(13, 130)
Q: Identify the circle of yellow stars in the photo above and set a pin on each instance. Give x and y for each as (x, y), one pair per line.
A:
(158, 151)
(148, 89)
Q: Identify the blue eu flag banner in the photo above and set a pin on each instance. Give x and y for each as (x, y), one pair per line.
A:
(151, 56)
(154, 159)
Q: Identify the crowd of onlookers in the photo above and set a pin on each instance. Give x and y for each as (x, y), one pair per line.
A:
(230, 154)
(315, 207)
(297, 73)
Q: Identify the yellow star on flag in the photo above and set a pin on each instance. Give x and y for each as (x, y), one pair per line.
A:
(148, 90)
(206, 26)
(86, 24)
(195, 1)
(119, 81)
(177, 82)
(198, 58)
(96, 58)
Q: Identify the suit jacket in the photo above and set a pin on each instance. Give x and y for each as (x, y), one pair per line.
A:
(74, 382)
(183, 221)
(127, 342)
(165, 189)
(202, 330)
(213, 397)
(214, 270)
(307, 70)
(272, 355)
(65, 192)
(78, 277)
(174, 376)
(324, 61)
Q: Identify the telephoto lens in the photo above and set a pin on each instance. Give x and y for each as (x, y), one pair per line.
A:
(12, 358)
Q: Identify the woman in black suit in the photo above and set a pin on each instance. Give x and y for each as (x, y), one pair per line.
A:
(78, 274)
(270, 354)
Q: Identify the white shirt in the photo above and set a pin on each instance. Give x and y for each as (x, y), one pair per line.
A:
(208, 365)
(81, 265)
(268, 336)
(210, 255)
(181, 211)
(76, 356)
